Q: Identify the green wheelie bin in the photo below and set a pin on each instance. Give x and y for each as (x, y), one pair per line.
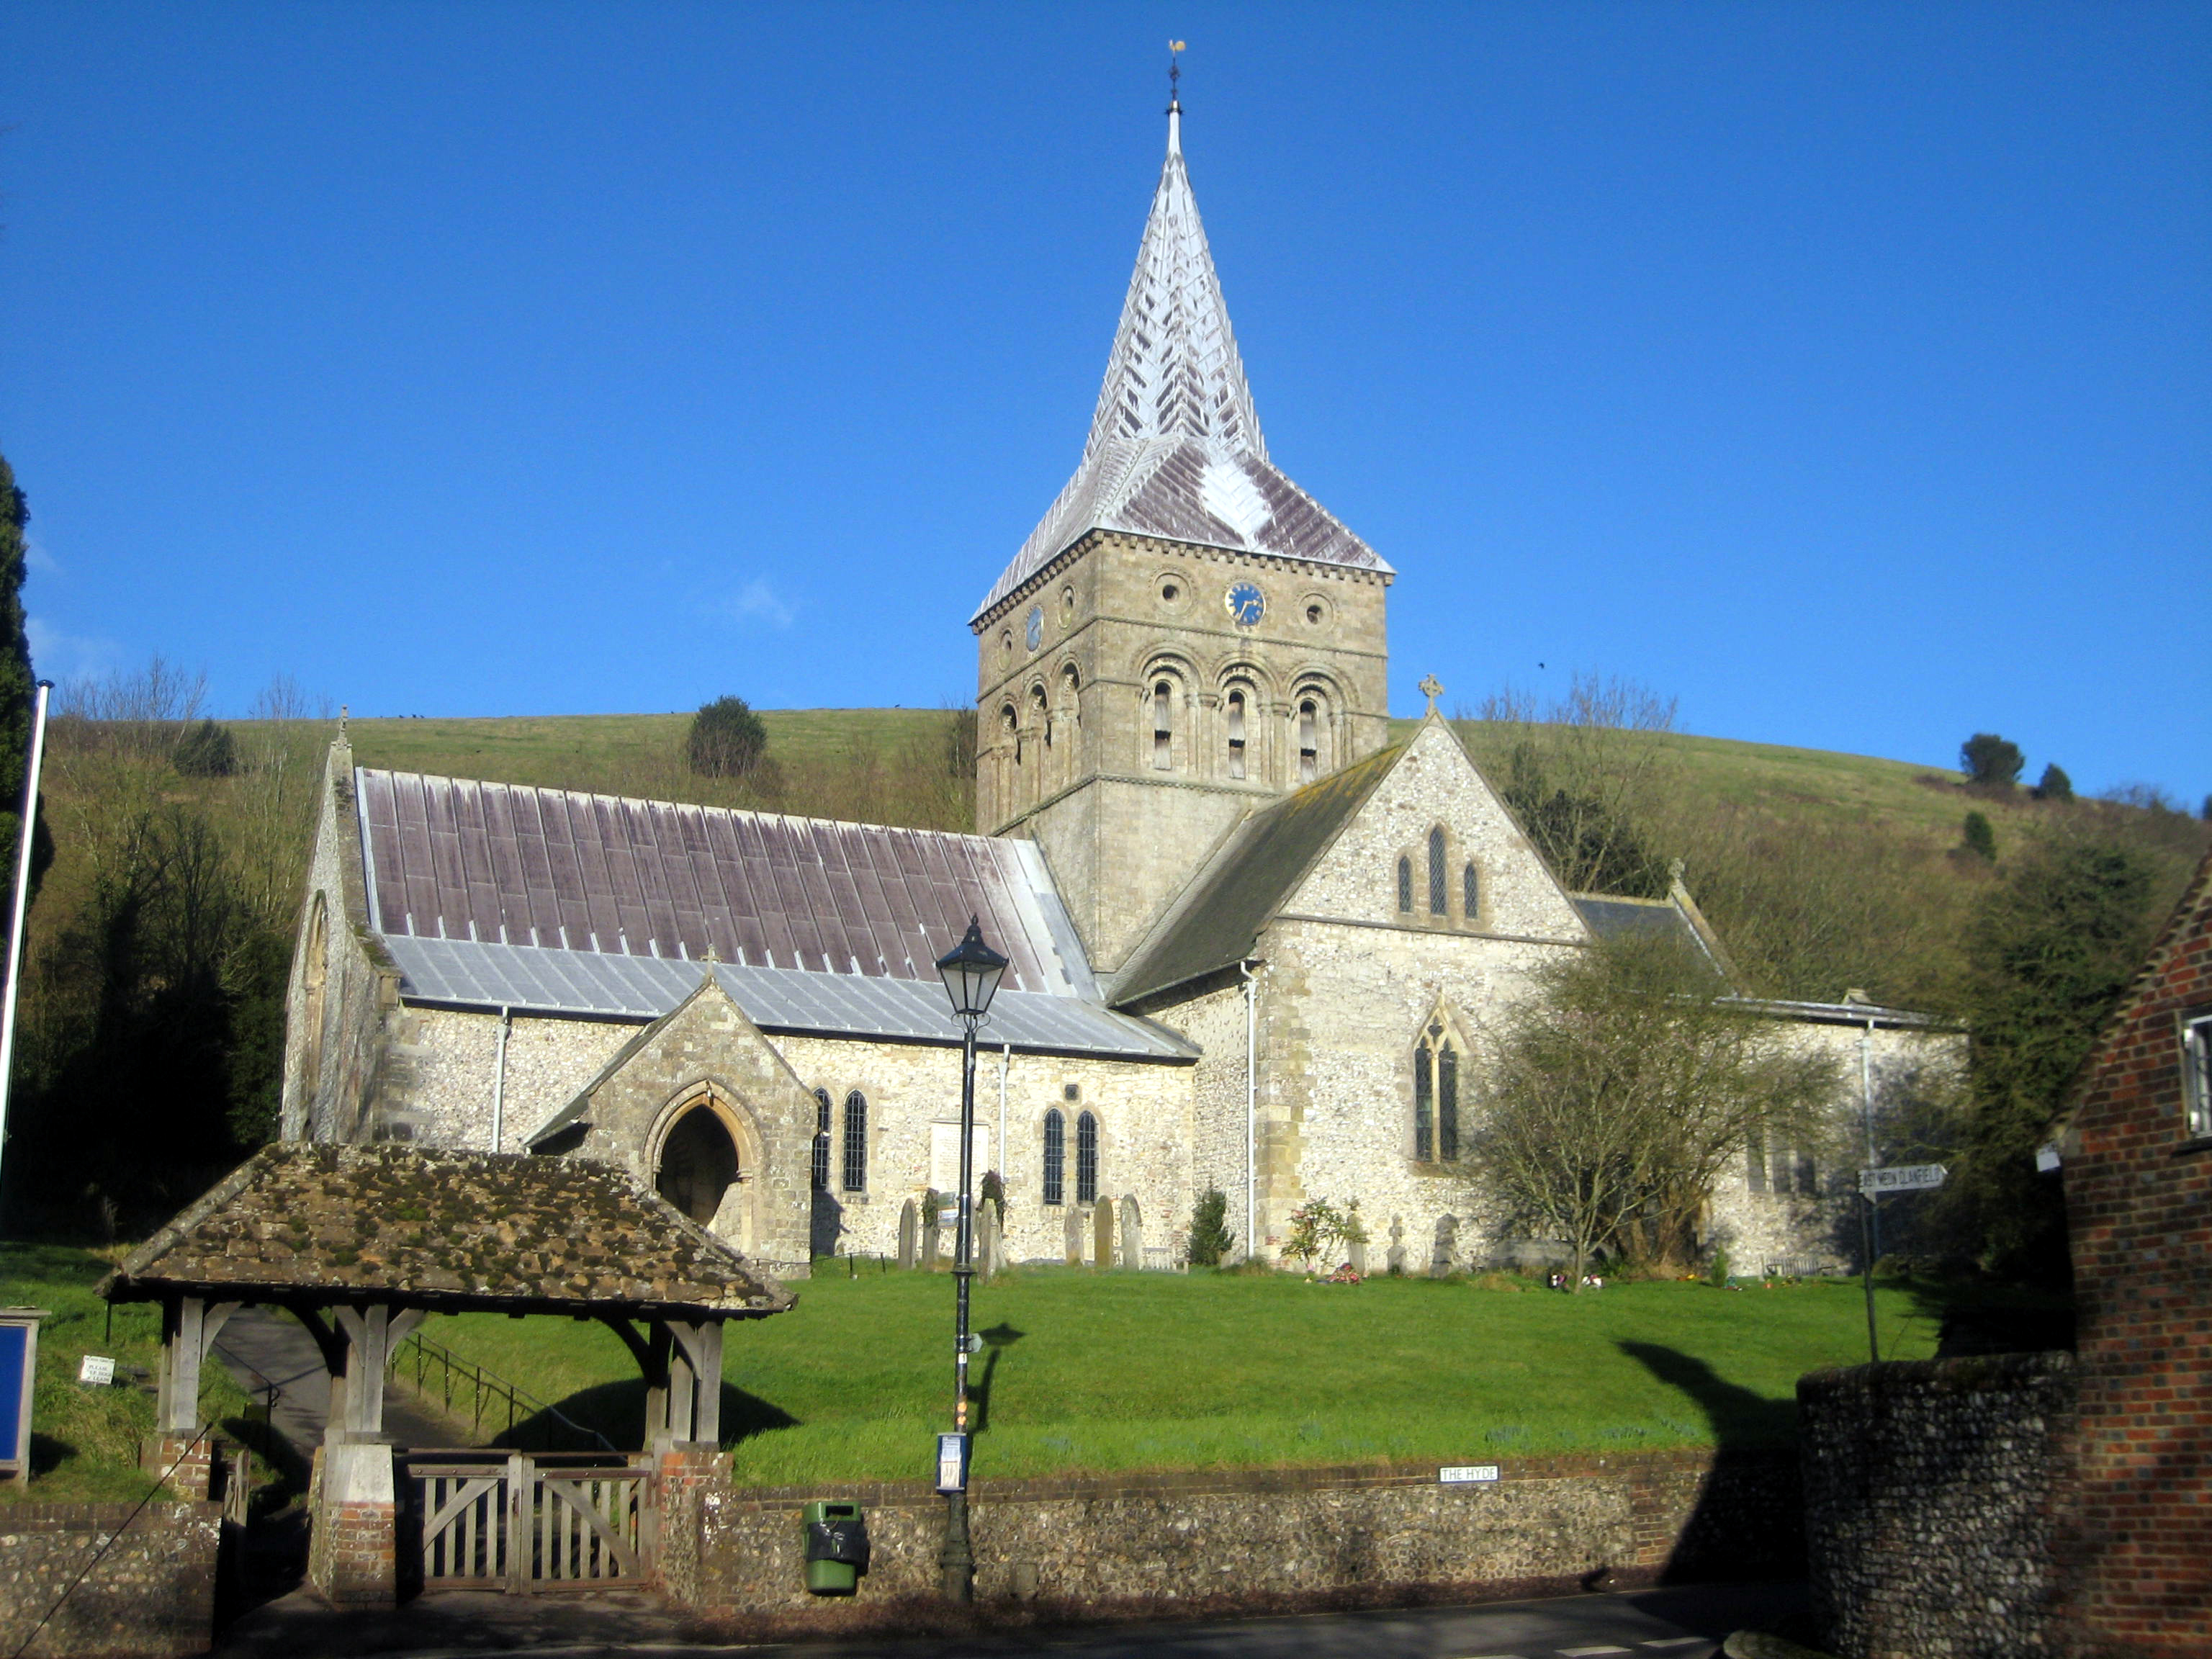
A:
(836, 1547)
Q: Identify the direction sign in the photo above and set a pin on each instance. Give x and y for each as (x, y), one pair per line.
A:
(1900, 1178)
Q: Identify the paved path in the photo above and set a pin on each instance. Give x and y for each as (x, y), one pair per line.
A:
(259, 1347)
(1688, 1622)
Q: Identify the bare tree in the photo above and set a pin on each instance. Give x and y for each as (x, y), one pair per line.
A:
(1587, 775)
(1620, 1090)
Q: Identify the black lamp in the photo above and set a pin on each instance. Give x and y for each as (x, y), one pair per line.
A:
(971, 970)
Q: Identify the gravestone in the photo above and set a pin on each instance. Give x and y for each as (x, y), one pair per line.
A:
(987, 1239)
(930, 1230)
(1072, 1226)
(1440, 1254)
(906, 1235)
(1395, 1258)
(1102, 1221)
(1358, 1256)
(1132, 1235)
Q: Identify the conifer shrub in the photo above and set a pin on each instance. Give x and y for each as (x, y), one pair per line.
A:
(1990, 760)
(1979, 838)
(2054, 785)
(1210, 1237)
(726, 739)
(207, 750)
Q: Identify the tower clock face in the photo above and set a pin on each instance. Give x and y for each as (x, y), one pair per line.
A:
(1247, 604)
(1036, 626)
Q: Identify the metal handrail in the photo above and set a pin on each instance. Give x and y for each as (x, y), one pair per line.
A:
(484, 1388)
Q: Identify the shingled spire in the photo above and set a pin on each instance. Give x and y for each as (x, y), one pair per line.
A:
(1175, 448)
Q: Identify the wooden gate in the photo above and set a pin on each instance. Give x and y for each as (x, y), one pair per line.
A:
(528, 1522)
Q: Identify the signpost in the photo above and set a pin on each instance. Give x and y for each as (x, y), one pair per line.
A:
(1875, 1184)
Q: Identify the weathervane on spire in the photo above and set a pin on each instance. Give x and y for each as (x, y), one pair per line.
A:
(1175, 49)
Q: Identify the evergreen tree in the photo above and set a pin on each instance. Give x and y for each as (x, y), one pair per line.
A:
(726, 740)
(2050, 951)
(1988, 759)
(2055, 784)
(17, 690)
(1979, 838)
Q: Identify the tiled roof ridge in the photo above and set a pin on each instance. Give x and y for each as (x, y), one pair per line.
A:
(677, 805)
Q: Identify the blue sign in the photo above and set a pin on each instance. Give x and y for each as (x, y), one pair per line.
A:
(15, 1395)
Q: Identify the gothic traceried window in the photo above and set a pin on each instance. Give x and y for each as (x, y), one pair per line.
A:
(1436, 1095)
(1470, 893)
(1086, 1160)
(1405, 884)
(1055, 1155)
(821, 1140)
(856, 1142)
(1435, 872)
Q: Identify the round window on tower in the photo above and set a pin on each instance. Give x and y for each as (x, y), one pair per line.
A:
(1174, 591)
(1035, 627)
(1315, 610)
(1068, 603)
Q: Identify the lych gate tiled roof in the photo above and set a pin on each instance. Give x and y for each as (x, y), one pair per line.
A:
(1175, 448)
(444, 1229)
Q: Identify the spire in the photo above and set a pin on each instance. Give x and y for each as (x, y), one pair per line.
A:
(1174, 449)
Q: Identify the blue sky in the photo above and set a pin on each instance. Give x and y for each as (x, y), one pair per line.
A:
(1841, 370)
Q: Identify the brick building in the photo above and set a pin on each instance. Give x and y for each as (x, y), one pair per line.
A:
(2137, 1552)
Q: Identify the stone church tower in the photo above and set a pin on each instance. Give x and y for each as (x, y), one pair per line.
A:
(1187, 633)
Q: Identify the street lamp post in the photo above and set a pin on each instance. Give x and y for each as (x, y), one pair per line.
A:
(970, 970)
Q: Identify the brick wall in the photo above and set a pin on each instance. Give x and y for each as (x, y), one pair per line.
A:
(2138, 1533)
(151, 1593)
(1930, 1495)
(1249, 1541)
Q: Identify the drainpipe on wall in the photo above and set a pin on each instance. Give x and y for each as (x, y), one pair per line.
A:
(499, 1081)
(1005, 1058)
(1251, 1109)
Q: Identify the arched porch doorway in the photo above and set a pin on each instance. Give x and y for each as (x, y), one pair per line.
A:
(698, 1165)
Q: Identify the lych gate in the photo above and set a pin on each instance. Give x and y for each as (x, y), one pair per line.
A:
(360, 1243)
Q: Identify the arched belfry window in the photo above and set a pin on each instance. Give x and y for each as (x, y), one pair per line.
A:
(1435, 1094)
(1405, 884)
(1086, 1160)
(1309, 740)
(1043, 714)
(821, 1140)
(1237, 733)
(1055, 1156)
(1163, 724)
(1436, 887)
(1470, 892)
(856, 1142)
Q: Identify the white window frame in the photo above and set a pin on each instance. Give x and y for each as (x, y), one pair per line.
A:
(2196, 1073)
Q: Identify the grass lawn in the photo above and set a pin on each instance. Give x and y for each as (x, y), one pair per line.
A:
(1159, 1370)
(84, 1441)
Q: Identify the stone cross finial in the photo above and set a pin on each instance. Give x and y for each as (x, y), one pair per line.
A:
(1431, 688)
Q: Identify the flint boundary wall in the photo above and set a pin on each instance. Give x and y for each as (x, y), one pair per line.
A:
(151, 1593)
(1143, 1545)
(1932, 1497)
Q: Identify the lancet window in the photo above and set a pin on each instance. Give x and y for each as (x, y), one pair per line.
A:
(821, 1140)
(855, 1171)
(1237, 733)
(1309, 740)
(1055, 1156)
(1436, 887)
(1436, 1095)
(1086, 1160)
(1163, 724)
(1405, 884)
(1470, 892)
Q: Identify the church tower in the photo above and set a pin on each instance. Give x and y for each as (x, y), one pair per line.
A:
(1187, 633)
